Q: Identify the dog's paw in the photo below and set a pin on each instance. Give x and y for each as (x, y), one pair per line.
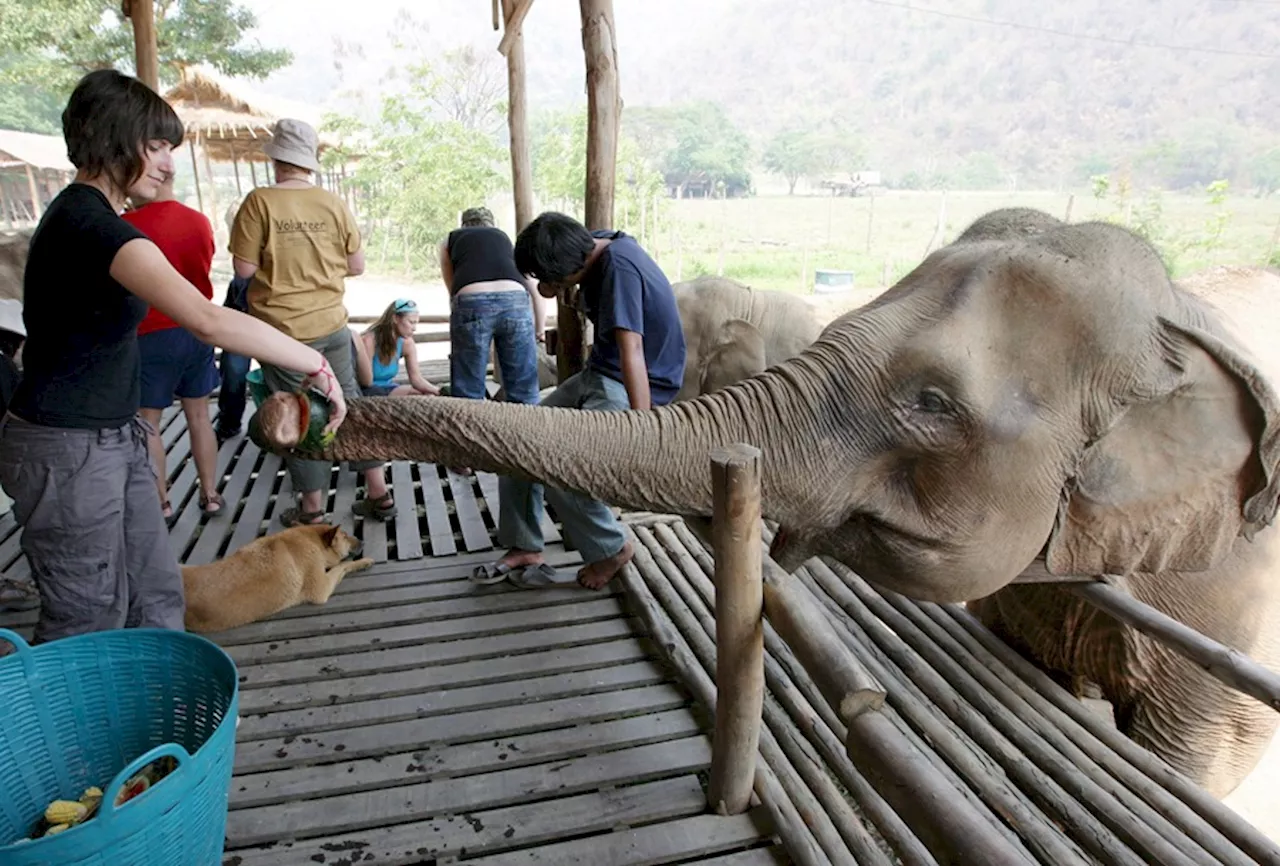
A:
(362, 564)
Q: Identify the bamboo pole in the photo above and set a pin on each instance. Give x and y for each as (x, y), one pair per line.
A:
(36, 208)
(235, 166)
(213, 184)
(253, 172)
(517, 123)
(1156, 811)
(1224, 663)
(1025, 701)
(1017, 746)
(735, 493)
(146, 58)
(657, 601)
(1223, 819)
(195, 174)
(790, 684)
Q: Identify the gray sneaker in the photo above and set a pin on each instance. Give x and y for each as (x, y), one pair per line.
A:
(18, 595)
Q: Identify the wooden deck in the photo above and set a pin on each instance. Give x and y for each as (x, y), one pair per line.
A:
(420, 719)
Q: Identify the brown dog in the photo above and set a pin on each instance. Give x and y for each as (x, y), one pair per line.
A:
(266, 576)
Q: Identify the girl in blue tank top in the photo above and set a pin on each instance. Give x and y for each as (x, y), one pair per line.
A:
(379, 349)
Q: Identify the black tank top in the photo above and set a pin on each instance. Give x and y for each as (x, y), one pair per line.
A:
(481, 254)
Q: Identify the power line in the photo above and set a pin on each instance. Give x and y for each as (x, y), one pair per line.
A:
(1110, 39)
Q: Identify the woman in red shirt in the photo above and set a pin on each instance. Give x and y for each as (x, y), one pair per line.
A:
(174, 362)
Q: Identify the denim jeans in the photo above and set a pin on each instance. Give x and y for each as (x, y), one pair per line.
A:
(589, 524)
(506, 320)
(233, 392)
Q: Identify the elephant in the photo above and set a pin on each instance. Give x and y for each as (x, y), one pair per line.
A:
(1034, 395)
(733, 332)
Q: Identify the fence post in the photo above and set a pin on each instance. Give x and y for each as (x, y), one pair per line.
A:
(735, 530)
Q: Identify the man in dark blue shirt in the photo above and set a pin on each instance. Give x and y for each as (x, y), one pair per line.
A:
(637, 362)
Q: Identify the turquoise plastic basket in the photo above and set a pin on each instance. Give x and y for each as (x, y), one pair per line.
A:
(94, 710)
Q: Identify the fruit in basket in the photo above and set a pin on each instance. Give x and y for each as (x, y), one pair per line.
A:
(61, 815)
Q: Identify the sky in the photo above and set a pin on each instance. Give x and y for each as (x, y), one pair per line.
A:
(552, 34)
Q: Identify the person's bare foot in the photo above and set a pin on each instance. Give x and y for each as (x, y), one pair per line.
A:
(516, 558)
(598, 574)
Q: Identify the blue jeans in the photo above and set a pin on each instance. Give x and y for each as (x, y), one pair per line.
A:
(588, 523)
(506, 320)
(232, 395)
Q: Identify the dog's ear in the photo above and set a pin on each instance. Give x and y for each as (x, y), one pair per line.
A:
(331, 535)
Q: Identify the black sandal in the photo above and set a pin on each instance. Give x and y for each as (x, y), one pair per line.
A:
(295, 516)
(383, 508)
(215, 500)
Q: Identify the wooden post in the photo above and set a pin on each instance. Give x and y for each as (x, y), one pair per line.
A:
(6, 210)
(1071, 203)
(35, 192)
(253, 172)
(235, 165)
(517, 124)
(735, 491)
(1222, 662)
(146, 58)
(195, 174)
(213, 184)
(603, 108)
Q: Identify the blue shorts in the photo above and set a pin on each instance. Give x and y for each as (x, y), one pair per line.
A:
(175, 364)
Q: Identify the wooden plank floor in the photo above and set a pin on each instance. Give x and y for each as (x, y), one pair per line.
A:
(418, 718)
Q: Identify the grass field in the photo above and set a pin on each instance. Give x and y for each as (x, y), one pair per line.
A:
(776, 242)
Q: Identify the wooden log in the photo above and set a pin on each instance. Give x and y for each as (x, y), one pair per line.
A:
(1006, 684)
(235, 166)
(947, 738)
(213, 184)
(515, 18)
(1018, 747)
(1224, 663)
(146, 58)
(1222, 818)
(790, 684)
(735, 493)
(791, 828)
(1053, 734)
(253, 172)
(517, 113)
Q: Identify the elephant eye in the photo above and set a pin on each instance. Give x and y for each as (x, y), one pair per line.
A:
(932, 401)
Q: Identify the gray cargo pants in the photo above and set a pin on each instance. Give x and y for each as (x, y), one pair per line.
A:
(308, 475)
(92, 528)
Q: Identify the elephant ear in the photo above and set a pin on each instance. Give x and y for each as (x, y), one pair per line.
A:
(738, 353)
(1190, 465)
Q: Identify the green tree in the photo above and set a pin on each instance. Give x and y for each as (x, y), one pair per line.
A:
(420, 167)
(793, 153)
(1266, 172)
(694, 143)
(51, 43)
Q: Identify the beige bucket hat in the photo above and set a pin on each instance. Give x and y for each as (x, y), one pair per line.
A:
(295, 142)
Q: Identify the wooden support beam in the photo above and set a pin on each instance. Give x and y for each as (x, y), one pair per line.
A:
(517, 122)
(142, 13)
(195, 175)
(514, 20)
(603, 109)
(253, 173)
(735, 490)
(36, 207)
(1224, 663)
(497, 17)
(235, 165)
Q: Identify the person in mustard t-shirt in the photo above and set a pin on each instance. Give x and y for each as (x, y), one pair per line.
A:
(297, 244)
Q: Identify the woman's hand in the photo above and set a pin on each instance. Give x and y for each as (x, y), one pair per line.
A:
(325, 382)
(428, 389)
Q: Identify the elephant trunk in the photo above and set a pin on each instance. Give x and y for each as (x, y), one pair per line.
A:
(656, 460)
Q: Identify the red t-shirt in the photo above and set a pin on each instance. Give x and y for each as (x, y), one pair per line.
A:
(185, 236)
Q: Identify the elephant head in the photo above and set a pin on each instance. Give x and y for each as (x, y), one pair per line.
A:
(1025, 391)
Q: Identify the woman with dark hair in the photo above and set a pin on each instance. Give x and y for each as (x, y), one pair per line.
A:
(380, 348)
(73, 453)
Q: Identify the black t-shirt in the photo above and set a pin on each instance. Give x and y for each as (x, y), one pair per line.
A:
(80, 362)
(481, 254)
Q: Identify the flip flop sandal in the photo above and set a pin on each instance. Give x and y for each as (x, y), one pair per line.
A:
(383, 508)
(541, 575)
(215, 500)
(297, 517)
(494, 572)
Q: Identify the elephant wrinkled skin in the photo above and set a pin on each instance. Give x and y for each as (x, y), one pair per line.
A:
(1033, 390)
